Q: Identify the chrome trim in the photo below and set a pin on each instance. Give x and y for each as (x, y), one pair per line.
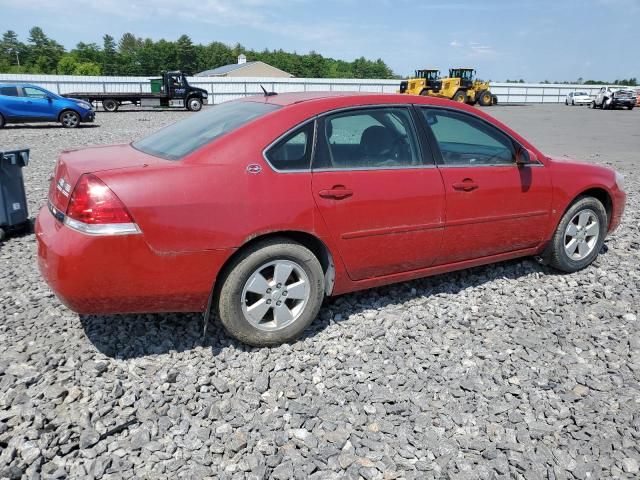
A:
(108, 229)
(510, 165)
(359, 169)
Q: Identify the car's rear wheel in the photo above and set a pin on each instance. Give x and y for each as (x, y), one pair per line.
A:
(579, 236)
(194, 104)
(2, 122)
(630, 107)
(69, 119)
(271, 294)
(110, 105)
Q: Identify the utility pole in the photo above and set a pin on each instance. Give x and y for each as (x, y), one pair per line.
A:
(17, 58)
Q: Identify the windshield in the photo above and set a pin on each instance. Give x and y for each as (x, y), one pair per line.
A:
(179, 139)
(581, 94)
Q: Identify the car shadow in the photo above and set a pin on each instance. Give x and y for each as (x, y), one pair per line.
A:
(134, 336)
(45, 126)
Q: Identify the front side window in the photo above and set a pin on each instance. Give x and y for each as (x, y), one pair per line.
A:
(467, 141)
(9, 91)
(182, 138)
(34, 92)
(367, 139)
(293, 152)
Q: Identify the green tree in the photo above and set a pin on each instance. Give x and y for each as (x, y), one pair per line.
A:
(109, 55)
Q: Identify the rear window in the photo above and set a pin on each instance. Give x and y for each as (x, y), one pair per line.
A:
(182, 138)
(9, 91)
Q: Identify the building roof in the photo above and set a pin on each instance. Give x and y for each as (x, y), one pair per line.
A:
(224, 69)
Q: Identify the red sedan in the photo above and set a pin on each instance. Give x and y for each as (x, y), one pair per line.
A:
(259, 208)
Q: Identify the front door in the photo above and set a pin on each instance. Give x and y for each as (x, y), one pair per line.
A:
(38, 104)
(382, 202)
(493, 205)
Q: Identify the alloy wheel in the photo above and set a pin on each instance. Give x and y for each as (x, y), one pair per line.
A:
(275, 295)
(581, 235)
(70, 119)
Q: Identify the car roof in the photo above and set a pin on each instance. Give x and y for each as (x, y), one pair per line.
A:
(321, 99)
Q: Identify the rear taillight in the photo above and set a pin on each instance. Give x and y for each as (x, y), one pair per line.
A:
(93, 208)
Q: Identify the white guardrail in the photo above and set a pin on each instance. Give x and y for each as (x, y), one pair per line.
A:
(229, 88)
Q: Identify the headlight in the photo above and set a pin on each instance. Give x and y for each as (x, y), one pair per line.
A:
(86, 105)
(620, 181)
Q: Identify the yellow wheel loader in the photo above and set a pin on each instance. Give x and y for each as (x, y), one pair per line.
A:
(425, 82)
(459, 86)
(462, 86)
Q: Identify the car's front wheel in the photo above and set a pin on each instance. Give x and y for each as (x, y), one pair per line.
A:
(271, 294)
(579, 236)
(69, 119)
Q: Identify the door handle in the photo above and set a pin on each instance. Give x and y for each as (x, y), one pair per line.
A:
(467, 185)
(337, 193)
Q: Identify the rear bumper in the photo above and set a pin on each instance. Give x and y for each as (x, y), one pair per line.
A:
(121, 274)
(623, 102)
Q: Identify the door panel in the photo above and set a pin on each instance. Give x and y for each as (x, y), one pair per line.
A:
(37, 105)
(383, 207)
(508, 210)
(492, 205)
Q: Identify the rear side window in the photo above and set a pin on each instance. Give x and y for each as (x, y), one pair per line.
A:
(182, 138)
(9, 91)
(374, 138)
(293, 152)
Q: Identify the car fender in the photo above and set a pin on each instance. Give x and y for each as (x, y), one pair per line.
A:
(566, 190)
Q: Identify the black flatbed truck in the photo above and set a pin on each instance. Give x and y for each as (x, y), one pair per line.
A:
(172, 90)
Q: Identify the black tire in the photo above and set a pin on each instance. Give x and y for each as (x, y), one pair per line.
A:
(2, 234)
(460, 96)
(424, 93)
(110, 105)
(573, 103)
(603, 105)
(2, 121)
(253, 259)
(592, 105)
(557, 257)
(566, 102)
(194, 104)
(485, 99)
(630, 108)
(69, 119)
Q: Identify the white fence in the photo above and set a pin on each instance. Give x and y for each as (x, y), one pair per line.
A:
(228, 88)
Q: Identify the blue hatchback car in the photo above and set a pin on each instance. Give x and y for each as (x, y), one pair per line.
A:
(25, 103)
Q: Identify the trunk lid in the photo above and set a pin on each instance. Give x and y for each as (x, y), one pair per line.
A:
(74, 163)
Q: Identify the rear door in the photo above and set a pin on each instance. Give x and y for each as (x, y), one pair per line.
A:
(493, 206)
(11, 104)
(381, 199)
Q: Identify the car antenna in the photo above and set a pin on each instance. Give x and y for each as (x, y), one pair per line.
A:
(267, 94)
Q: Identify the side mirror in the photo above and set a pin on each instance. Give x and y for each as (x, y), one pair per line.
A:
(49, 98)
(525, 157)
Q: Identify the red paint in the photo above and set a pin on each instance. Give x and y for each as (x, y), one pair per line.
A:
(380, 226)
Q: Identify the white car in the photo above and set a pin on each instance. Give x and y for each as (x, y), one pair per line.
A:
(578, 98)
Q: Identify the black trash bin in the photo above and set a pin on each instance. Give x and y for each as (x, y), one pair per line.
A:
(13, 199)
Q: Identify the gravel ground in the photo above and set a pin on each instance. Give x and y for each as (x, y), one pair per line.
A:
(505, 371)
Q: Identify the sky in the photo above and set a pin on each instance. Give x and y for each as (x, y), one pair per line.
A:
(535, 40)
